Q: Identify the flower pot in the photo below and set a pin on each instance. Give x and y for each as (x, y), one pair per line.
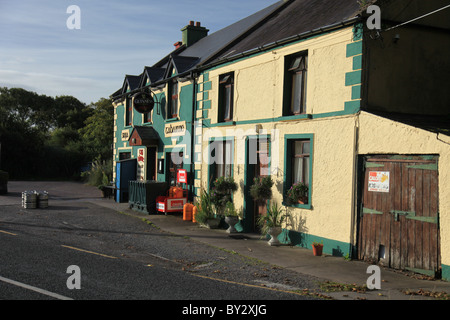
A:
(231, 221)
(274, 232)
(317, 250)
(213, 223)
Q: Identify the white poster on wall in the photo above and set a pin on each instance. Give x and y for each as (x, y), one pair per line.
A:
(379, 181)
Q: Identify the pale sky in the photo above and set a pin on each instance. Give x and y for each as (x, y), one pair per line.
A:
(38, 52)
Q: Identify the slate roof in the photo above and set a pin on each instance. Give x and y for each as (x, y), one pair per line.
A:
(281, 20)
(145, 133)
(300, 16)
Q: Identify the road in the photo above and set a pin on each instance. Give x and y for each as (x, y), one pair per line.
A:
(120, 257)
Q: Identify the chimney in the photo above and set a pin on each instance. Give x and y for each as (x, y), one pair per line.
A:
(193, 32)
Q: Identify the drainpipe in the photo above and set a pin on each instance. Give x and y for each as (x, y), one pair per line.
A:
(194, 102)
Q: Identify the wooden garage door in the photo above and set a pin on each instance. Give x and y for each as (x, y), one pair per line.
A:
(399, 219)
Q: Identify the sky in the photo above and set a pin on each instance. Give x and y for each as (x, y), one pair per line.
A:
(41, 51)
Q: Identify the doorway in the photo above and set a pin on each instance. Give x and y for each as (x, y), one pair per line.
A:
(398, 223)
(257, 166)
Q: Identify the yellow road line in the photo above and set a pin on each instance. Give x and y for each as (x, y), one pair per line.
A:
(13, 234)
(248, 285)
(96, 253)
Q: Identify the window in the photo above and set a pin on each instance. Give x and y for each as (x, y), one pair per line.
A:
(147, 117)
(128, 112)
(296, 74)
(298, 163)
(300, 158)
(221, 159)
(226, 88)
(173, 99)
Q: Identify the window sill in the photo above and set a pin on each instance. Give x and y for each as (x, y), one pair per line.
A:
(296, 117)
(172, 119)
(226, 123)
(300, 206)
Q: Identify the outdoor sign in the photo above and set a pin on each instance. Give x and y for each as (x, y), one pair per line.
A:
(379, 181)
(143, 102)
(125, 134)
(181, 176)
(141, 164)
(174, 129)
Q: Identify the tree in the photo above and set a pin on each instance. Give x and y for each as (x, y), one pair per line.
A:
(97, 133)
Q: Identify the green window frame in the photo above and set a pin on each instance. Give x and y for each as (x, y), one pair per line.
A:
(298, 147)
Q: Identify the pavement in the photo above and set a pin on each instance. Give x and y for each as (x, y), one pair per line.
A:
(394, 284)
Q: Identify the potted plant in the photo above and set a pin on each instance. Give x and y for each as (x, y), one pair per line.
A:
(271, 223)
(205, 211)
(232, 216)
(298, 193)
(317, 248)
(261, 189)
(221, 193)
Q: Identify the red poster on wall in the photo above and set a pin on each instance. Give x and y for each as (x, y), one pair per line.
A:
(181, 176)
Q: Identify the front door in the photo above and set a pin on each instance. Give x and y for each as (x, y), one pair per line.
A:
(399, 220)
(257, 167)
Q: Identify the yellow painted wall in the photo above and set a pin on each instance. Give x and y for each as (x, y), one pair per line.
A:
(259, 80)
(259, 95)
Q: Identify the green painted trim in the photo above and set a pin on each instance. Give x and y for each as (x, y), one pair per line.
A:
(354, 49)
(423, 219)
(206, 95)
(352, 78)
(287, 166)
(305, 240)
(207, 86)
(445, 272)
(432, 166)
(206, 76)
(356, 92)
(352, 106)
(430, 273)
(370, 211)
(357, 62)
(373, 165)
(206, 104)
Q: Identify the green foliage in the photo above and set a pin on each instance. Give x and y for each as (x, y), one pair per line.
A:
(222, 191)
(298, 191)
(273, 218)
(205, 207)
(261, 188)
(51, 138)
(100, 173)
(231, 211)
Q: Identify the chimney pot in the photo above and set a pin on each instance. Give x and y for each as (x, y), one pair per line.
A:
(197, 24)
(191, 23)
